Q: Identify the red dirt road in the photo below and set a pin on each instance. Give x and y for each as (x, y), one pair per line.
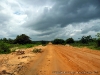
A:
(65, 60)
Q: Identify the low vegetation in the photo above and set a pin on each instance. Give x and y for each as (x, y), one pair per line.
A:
(58, 41)
(4, 48)
(36, 50)
(84, 41)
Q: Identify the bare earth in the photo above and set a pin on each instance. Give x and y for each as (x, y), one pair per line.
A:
(55, 60)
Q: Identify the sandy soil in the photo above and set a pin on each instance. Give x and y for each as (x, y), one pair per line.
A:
(55, 60)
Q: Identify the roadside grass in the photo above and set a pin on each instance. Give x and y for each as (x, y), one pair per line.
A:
(92, 45)
(6, 48)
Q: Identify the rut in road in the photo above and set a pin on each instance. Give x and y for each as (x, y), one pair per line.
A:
(65, 60)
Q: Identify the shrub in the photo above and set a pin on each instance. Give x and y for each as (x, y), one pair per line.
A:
(4, 48)
(37, 50)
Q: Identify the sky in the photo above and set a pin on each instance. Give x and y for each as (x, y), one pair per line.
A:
(49, 19)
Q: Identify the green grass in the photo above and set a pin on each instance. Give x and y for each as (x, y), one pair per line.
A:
(6, 48)
(19, 46)
(92, 45)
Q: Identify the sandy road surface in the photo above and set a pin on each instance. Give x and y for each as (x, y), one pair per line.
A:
(65, 60)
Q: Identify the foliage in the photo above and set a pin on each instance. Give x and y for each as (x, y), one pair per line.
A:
(86, 39)
(4, 48)
(98, 40)
(70, 40)
(5, 40)
(22, 39)
(44, 43)
(37, 50)
(98, 35)
(58, 41)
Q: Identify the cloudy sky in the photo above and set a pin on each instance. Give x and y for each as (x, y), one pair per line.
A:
(49, 19)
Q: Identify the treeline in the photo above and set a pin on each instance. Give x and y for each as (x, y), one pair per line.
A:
(22, 39)
(88, 41)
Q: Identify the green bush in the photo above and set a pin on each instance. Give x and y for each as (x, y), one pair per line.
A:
(37, 50)
(4, 48)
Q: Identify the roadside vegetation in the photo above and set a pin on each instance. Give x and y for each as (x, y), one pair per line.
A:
(24, 41)
(21, 41)
(36, 50)
(84, 41)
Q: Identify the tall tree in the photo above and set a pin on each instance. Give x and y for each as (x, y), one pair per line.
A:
(98, 40)
(86, 39)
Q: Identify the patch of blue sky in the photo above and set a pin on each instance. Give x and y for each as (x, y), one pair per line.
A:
(17, 13)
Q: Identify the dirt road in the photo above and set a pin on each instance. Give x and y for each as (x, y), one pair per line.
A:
(65, 60)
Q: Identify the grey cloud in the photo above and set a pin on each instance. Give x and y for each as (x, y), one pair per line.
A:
(4, 18)
(95, 28)
(66, 12)
(1, 8)
(36, 3)
(45, 33)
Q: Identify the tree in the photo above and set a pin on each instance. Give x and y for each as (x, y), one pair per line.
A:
(98, 35)
(5, 40)
(98, 40)
(58, 41)
(44, 42)
(70, 40)
(86, 39)
(22, 39)
(11, 41)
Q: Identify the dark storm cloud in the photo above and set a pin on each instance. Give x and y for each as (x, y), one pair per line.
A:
(66, 12)
(45, 33)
